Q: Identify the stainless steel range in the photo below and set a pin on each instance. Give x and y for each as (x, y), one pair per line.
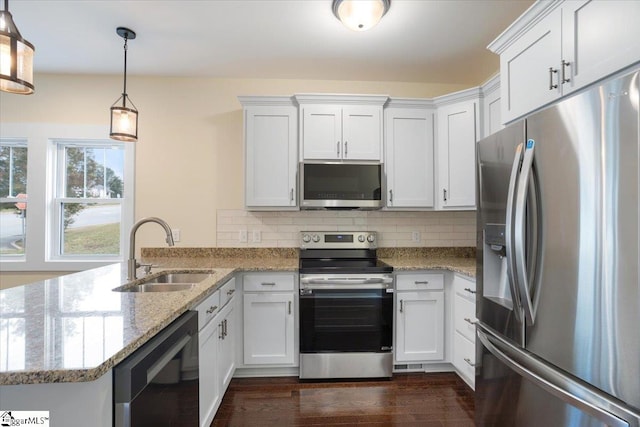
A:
(346, 307)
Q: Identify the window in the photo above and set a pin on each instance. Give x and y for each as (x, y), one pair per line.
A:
(80, 197)
(89, 196)
(13, 197)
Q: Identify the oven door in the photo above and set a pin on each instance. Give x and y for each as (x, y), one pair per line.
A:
(348, 313)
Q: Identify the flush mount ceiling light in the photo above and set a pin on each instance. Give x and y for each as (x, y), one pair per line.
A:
(124, 120)
(16, 57)
(360, 15)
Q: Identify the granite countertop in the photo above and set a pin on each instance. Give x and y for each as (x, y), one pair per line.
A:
(75, 328)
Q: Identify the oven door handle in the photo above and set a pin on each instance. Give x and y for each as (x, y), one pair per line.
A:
(337, 283)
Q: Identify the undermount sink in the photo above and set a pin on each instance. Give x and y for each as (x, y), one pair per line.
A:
(166, 282)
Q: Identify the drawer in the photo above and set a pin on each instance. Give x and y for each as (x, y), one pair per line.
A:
(464, 287)
(464, 357)
(226, 292)
(464, 313)
(268, 282)
(208, 308)
(421, 281)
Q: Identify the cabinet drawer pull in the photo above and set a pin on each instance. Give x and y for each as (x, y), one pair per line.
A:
(466, 359)
(230, 291)
(268, 283)
(565, 79)
(469, 321)
(421, 282)
(401, 307)
(471, 291)
(212, 309)
(289, 307)
(551, 73)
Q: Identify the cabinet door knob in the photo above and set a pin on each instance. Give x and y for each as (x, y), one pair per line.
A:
(565, 79)
(289, 307)
(551, 73)
(466, 359)
(230, 291)
(346, 148)
(401, 307)
(444, 194)
(212, 309)
(390, 196)
(471, 291)
(338, 149)
(291, 196)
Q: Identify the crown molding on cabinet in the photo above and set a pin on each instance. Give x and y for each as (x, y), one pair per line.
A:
(249, 100)
(490, 85)
(342, 99)
(528, 19)
(420, 103)
(472, 94)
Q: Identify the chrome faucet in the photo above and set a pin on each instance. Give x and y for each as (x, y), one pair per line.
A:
(132, 264)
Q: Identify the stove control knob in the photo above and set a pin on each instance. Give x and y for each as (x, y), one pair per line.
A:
(361, 238)
(371, 238)
(316, 238)
(306, 238)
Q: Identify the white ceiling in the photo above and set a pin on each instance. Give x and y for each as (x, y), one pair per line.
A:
(417, 41)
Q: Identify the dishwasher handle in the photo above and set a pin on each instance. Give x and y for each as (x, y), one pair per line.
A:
(134, 373)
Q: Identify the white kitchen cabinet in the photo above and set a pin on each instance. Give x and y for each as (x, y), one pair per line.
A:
(464, 318)
(409, 154)
(271, 139)
(456, 151)
(555, 48)
(419, 316)
(344, 127)
(491, 106)
(216, 349)
(269, 313)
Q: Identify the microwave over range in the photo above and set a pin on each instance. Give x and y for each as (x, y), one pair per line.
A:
(341, 185)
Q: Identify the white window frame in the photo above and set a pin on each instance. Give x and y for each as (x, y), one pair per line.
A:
(20, 143)
(42, 224)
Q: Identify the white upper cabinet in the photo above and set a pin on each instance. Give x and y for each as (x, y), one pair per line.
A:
(457, 132)
(491, 107)
(555, 48)
(271, 139)
(409, 153)
(341, 127)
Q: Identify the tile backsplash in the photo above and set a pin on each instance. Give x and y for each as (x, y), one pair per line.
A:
(395, 229)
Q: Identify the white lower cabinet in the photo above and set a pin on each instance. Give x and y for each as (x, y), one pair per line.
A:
(464, 334)
(419, 315)
(216, 349)
(269, 319)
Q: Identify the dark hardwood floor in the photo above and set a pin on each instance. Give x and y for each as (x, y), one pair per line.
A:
(407, 400)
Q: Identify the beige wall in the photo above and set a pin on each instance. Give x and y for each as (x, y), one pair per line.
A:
(189, 158)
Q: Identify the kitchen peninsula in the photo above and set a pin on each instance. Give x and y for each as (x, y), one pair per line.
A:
(66, 334)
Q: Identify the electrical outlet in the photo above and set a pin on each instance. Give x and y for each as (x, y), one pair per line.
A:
(257, 236)
(242, 236)
(415, 236)
(175, 233)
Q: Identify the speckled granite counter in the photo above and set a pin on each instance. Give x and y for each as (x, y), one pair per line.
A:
(75, 328)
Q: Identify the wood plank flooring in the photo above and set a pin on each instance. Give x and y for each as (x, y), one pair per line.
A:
(425, 400)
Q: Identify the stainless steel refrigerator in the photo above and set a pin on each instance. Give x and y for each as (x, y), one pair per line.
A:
(558, 298)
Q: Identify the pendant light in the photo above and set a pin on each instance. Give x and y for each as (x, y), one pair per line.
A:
(124, 119)
(360, 15)
(16, 57)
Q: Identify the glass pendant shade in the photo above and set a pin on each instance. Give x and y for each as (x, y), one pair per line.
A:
(360, 15)
(124, 121)
(16, 57)
(124, 118)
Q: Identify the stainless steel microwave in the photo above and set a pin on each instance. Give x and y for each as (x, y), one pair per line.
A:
(340, 185)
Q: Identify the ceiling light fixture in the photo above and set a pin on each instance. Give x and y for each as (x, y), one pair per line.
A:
(16, 57)
(124, 120)
(360, 15)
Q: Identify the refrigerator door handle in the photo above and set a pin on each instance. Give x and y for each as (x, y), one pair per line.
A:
(520, 231)
(509, 235)
(567, 389)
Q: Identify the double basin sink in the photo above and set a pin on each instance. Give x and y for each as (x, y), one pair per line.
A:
(166, 282)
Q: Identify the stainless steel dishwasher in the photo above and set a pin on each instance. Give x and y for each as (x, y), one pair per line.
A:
(158, 384)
